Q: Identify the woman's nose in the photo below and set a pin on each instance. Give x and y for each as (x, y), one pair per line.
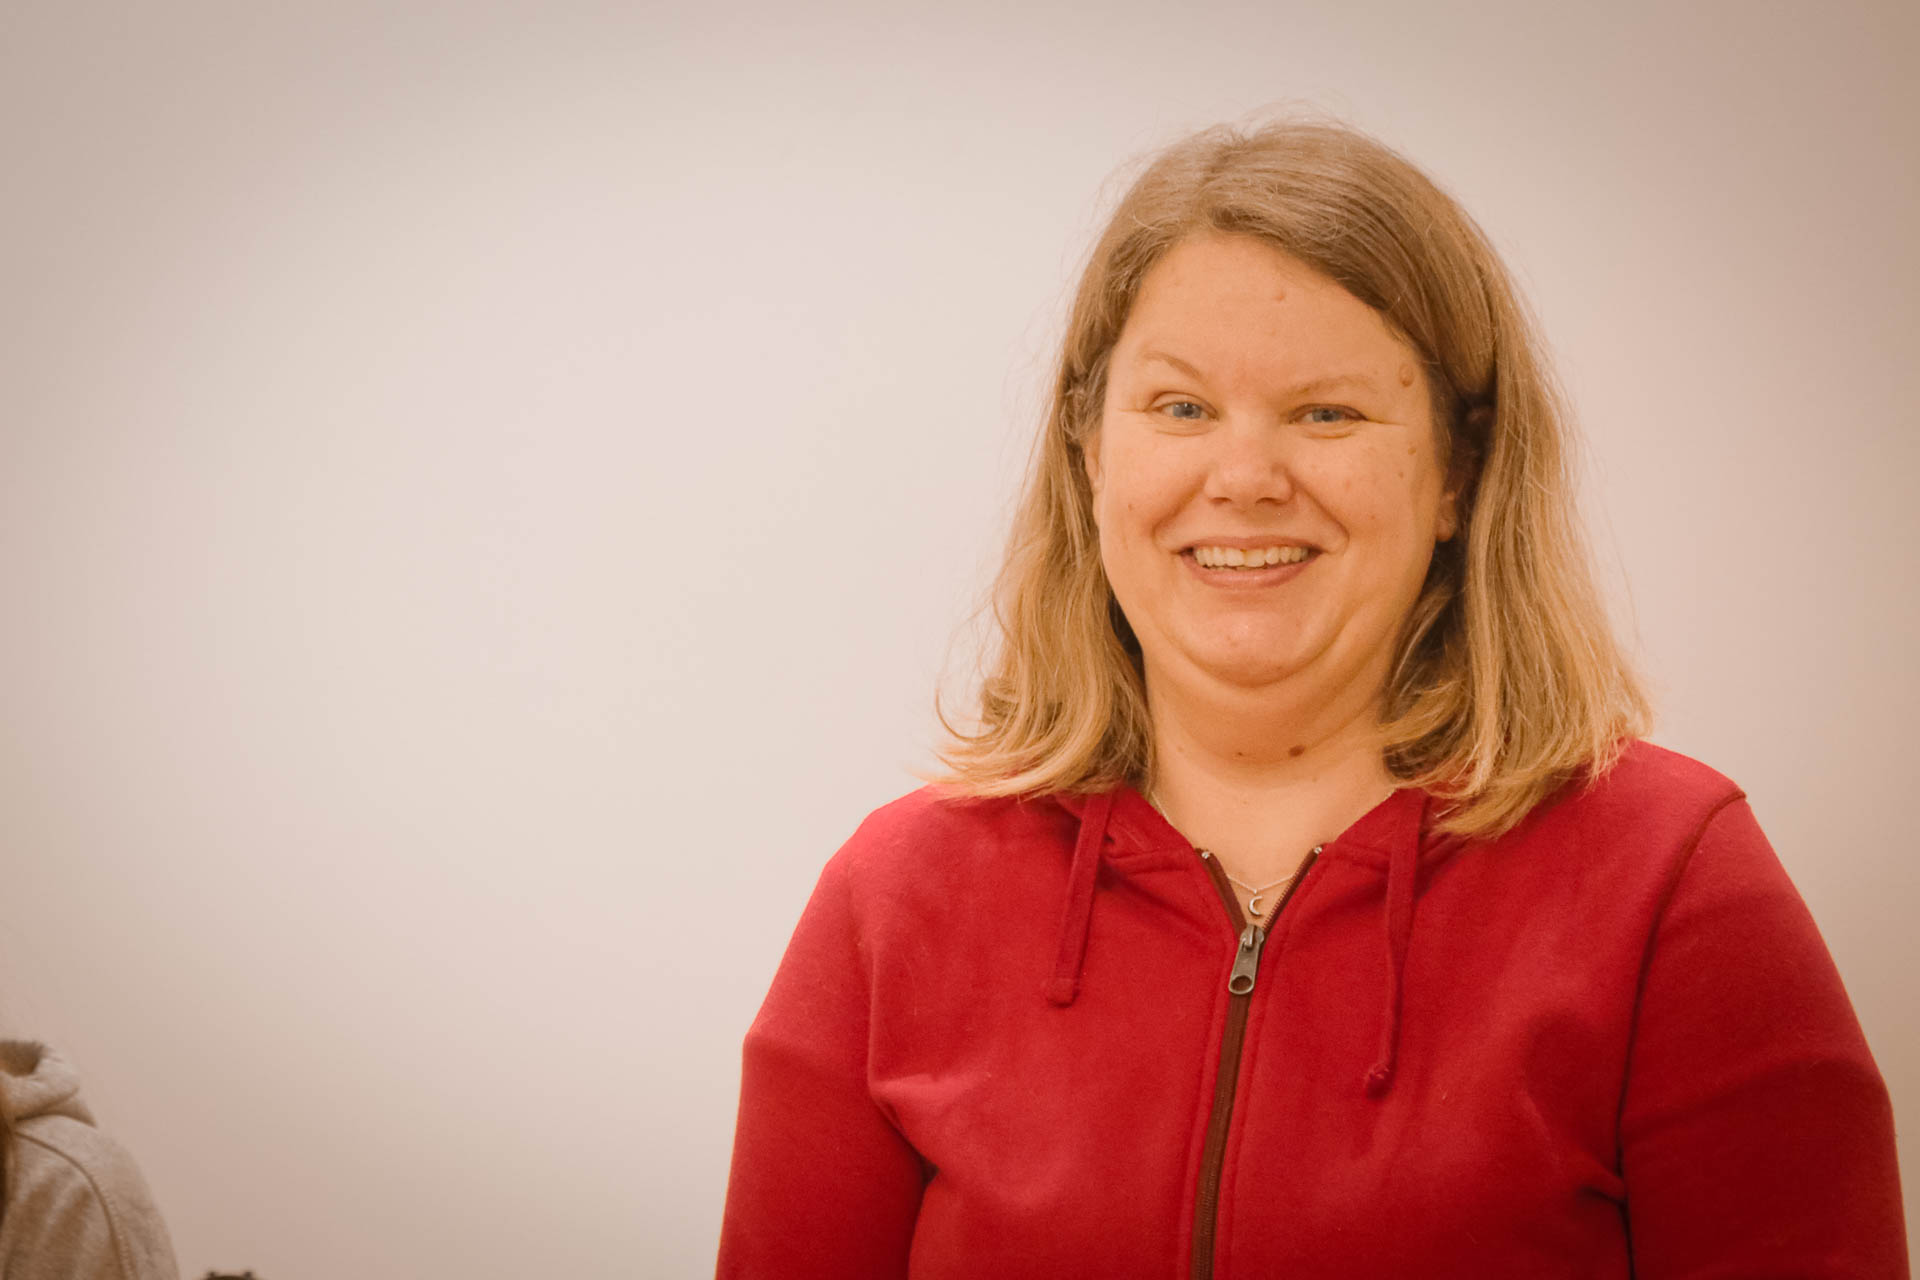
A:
(1251, 464)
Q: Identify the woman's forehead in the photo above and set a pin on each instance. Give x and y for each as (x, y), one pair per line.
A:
(1236, 308)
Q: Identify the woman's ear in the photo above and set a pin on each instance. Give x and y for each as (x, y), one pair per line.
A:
(1090, 455)
(1463, 470)
(1447, 523)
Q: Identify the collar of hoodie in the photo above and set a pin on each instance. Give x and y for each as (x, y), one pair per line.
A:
(1394, 837)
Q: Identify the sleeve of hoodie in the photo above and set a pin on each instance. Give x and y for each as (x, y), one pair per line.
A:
(823, 1184)
(1756, 1134)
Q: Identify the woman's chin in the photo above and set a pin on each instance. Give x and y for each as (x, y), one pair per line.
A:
(1257, 677)
(1251, 669)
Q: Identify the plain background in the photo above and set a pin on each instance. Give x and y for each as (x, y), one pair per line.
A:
(487, 494)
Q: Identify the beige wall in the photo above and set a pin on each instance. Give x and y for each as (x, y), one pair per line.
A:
(485, 493)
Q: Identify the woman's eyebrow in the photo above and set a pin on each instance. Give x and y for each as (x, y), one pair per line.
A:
(1165, 358)
(1311, 387)
(1334, 382)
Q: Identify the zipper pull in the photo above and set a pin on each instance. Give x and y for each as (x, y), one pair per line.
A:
(1246, 961)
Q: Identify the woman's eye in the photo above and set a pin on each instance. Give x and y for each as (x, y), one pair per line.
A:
(1328, 415)
(1183, 410)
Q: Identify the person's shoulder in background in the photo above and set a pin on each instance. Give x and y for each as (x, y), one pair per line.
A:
(76, 1206)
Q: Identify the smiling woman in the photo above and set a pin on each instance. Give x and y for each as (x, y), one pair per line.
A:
(1266, 540)
(1303, 902)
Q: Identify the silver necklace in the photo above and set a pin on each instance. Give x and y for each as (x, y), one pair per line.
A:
(1255, 892)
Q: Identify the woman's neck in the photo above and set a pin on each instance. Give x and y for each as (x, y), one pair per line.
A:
(1258, 779)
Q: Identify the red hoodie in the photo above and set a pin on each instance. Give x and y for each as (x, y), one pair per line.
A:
(1610, 1043)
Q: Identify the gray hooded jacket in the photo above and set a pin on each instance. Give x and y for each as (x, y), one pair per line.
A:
(76, 1208)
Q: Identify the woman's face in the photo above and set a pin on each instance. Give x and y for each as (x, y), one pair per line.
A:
(1258, 413)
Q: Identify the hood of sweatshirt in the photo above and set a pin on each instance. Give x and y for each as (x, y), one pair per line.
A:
(1396, 837)
(39, 1082)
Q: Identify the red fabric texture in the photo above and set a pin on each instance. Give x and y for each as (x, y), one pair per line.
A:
(1610, 1043)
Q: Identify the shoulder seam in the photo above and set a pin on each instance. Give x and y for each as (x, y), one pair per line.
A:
(1679, 873)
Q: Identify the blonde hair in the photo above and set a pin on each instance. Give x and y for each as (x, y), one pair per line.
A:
(1508, 680)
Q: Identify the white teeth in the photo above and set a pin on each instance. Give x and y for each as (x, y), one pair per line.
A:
(1259, 558)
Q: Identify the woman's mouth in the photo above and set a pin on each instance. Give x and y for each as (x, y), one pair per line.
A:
(1248, 567)
(1247, 558)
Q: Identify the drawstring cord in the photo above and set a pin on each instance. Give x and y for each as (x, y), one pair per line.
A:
(1081, 881)
(1403, 867)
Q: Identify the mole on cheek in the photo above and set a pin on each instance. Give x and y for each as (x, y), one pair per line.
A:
(1406, 375)
(1294, 751)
